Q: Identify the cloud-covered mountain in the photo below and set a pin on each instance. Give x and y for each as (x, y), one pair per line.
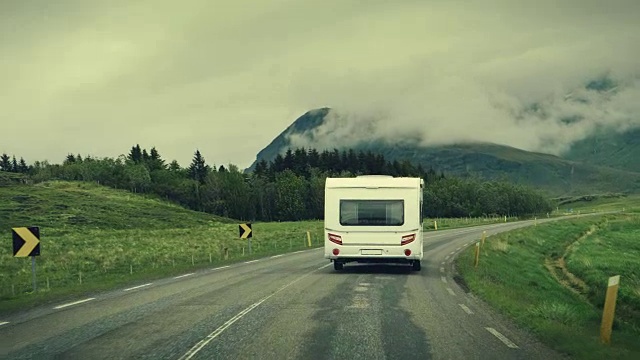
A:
(586, 140)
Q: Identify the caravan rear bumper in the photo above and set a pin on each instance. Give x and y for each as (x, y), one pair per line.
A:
(375, 254)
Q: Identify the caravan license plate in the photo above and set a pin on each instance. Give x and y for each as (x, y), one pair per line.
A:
(371, 252)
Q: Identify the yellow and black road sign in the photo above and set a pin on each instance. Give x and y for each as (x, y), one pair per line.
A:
(245, 231)
(26, 241)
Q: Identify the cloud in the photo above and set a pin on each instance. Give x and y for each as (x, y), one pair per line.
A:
(518, 84)
(227, 76)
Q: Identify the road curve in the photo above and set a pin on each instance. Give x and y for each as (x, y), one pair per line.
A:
(293, 306)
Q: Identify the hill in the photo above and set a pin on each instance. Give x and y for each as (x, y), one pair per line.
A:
(80, 204)
(613, 149)
(556, 175)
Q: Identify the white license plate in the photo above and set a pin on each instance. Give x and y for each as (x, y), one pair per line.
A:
(371, 252)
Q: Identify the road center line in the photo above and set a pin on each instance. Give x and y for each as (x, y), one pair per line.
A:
(73, 303)
(3, 323)
(502, 338)
(137, 287)
(202, 343)
(451, 291)
(466, 309)
(181, 276)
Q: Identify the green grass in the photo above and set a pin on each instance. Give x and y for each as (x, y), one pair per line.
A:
(520, 274)
(455, 223)
(630, 203)
(95, 238)
(60, 205)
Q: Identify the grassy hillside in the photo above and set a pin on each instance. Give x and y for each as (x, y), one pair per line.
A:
(95, 238)
(555, 175)
(552, 280)
(60, 205)
(613, 149)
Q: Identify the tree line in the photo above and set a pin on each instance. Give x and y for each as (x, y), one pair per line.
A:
(288, 188)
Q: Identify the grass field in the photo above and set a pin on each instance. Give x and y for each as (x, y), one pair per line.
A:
(552, 279)
(630, 203)
(94, 238)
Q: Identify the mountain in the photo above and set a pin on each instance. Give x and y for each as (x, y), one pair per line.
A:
(579, 172)
(607, 148)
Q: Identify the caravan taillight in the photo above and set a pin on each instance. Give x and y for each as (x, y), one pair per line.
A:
(335, 239)
(407, 239)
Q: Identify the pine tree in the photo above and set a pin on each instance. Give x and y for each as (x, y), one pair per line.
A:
(22, 166)
(135, 154)
(5, 162)
(70, 159)
(198, 169)
(14, 165)
(174, 166)
(155, 162)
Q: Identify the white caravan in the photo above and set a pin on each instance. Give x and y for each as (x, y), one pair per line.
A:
(373, 219)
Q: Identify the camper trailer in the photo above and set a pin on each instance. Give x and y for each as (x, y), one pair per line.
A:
(373, 219)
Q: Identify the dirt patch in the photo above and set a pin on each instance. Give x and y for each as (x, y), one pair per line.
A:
(558, 268)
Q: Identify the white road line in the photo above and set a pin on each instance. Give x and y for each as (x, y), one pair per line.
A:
(299, 251)
(365, 284)
(221, 267)
(275, 256)
(457, 248)
(249, 262)
(181, 276)
(444, 279)
(324, 266)
(73, 303)
(466, 244)
(502, 338)
(3, 323)
(451, 253)
(202, 343)
(451, 291)
(466, 309)
(442, 263)
(446, 257)
(137, 287)
(441, 269)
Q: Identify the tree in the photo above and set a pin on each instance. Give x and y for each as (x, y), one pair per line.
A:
(174, 166)
(155, 162)
(135, 154)
(138, 178)
(70, 159)
(198, 169)
(290, 190)
(5, 162)
(22, 166)
(14, 164)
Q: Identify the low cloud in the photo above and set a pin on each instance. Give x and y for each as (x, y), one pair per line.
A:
(527, 88)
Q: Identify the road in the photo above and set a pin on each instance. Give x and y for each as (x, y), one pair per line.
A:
(293, 306)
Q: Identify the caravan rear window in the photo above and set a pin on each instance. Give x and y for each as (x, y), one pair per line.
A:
(371, 212)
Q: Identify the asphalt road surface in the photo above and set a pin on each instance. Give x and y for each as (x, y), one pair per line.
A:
(292, 306)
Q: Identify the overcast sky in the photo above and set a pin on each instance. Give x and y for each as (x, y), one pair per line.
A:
(226, 77)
